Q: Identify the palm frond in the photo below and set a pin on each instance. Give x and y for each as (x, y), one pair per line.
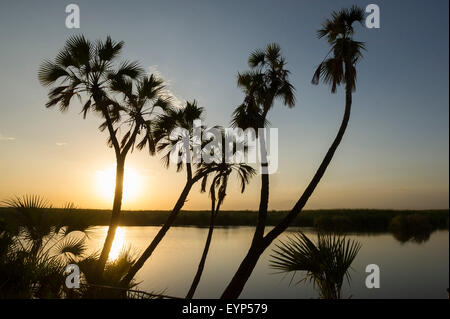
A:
(325, 263)
(73, 246)
(130, 69)
(79, 49)
(340, 68)
(257, 58)
(150, 87)
(50, 72)
(27, 202)
(273, 53)
(109, 49)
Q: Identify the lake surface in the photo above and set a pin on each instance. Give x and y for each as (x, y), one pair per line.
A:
(407, 270)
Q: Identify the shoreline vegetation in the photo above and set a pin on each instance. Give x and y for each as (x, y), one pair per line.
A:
(341, 220)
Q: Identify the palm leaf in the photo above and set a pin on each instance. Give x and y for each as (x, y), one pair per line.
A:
(50, 72)
(325, 263)
(72, 246)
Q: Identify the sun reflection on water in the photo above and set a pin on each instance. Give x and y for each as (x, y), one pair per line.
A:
(117, 245)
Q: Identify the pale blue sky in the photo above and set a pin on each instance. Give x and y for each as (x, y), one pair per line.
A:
(395, 153)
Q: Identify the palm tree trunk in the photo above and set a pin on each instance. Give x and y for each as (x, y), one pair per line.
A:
(115, 217)
(264, 195)
(235, 287)
(240, 278)
(160, 235)
(201, 265)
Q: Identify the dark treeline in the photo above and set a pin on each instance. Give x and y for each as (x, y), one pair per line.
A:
(346, 220)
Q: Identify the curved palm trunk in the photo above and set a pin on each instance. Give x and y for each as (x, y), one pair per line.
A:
(201, 265)
(264, 195)
(235, 287)
(159, 236)
(115, 217)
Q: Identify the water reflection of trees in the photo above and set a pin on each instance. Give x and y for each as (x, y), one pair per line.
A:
(414, 227)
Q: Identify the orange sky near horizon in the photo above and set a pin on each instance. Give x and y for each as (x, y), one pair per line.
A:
(81, 171)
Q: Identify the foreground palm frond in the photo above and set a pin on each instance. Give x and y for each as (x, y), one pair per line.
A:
(325, 263)
(35, 248)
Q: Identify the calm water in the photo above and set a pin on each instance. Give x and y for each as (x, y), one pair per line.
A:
(408, 270)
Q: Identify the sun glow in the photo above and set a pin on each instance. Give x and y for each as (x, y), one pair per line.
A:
(106, 183)
(117, 245)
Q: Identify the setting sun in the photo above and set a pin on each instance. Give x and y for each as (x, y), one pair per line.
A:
(106, 182)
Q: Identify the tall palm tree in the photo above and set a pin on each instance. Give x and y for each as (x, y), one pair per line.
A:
(267, 81)
(142, 101)
(163, 129)
(90, 71)
(325, 263)
(340, 68)
(217, 192)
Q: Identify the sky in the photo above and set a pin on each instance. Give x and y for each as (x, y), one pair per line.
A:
(395, 153)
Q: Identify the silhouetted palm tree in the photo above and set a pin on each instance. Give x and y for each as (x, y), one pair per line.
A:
(339, 69)
(326, 264)
(168, 142)
(267, 81)
(90, 72)
(219, 184)
(142, 101)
